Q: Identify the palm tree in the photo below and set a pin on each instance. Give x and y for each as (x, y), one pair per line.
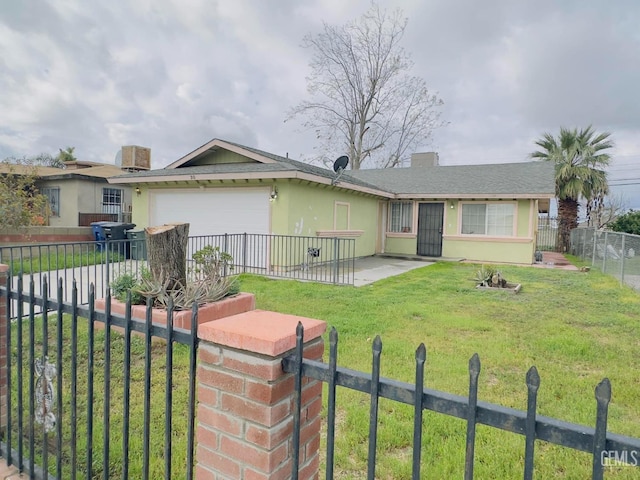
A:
(66, 155)
(580, 158)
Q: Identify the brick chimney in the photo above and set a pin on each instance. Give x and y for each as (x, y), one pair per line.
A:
(424, 159)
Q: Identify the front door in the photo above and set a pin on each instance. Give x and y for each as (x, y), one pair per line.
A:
(430, 216)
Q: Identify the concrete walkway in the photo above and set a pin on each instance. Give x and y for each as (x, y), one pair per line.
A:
(555, 260)
(371, 269)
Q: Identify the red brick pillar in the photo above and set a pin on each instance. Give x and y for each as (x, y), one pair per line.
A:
(245, 400)
(3, 348)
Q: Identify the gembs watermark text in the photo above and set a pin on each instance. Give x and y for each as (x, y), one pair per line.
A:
(620, 458)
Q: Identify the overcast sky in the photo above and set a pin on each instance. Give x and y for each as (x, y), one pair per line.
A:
(173, 74)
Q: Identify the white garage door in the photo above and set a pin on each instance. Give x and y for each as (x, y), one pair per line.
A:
(212, 211)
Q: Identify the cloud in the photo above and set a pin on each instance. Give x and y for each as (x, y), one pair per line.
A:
(172, 74)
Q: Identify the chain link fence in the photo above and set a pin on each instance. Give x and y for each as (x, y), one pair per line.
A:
(614, 253)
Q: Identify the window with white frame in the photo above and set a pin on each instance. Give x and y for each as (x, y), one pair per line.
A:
(495, 219)
(400, 217)
(111, 200)
(53, 198)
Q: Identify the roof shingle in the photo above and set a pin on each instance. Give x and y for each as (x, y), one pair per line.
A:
(489, 179)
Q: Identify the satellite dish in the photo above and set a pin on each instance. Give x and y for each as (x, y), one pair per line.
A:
(339, 166)
(340, 163)
(118, 159)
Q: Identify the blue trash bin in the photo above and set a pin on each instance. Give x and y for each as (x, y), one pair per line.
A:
(99, 234)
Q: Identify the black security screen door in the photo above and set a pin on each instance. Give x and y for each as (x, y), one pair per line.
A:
(430, 217)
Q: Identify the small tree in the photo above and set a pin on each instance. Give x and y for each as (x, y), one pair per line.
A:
(628, 223)
(20, 203)
(603, 211)
(363, 100)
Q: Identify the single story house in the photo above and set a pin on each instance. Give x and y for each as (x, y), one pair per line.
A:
(79, 194)
(485, 213)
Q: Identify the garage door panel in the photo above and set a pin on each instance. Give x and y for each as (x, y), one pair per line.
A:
(213, 211)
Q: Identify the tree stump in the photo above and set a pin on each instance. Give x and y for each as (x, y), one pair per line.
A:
(167, 254)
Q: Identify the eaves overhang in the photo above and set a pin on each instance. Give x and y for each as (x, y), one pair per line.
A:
(208, 177)
(467, 196)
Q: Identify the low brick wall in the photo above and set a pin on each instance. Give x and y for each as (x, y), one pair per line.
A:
(46, 235)
(240, 303)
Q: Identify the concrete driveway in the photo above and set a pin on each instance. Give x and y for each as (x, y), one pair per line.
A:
(366, 271)
(372, 269)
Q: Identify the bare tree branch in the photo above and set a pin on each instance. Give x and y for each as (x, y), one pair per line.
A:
(363, 101)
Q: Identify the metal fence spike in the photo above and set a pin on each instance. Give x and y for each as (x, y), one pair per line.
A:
(533, 379)
(377, 344)
(333, 335)
(474, 365)
(603, 391)
(299, 330)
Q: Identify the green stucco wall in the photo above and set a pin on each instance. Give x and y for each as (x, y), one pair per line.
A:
(220, 156)
(490, 251)
(524, 207)
(520, 250)
(140, 208)
(303, 209)
(402, 246)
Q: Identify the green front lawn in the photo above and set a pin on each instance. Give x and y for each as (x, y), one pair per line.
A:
(576, 328)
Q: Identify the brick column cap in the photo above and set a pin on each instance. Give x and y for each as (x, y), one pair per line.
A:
(260, 331)
(4, 268)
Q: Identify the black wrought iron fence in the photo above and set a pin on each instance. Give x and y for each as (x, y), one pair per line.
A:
(82, 390)
(606, 448)
(324, 260)
(80, 263)
(317, 259)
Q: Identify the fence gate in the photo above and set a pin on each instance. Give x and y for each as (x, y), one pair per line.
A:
(547, 235)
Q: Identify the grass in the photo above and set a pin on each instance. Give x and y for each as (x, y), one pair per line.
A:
(136, 402)
(575, 327)
(59, 261)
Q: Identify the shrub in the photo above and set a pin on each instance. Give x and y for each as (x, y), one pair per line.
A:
(484, 274)
(207, 283)
(127, 282)
(628, 223)
(488, 276)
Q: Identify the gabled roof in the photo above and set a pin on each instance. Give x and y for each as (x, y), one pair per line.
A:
(265, 165)
(513, 180)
